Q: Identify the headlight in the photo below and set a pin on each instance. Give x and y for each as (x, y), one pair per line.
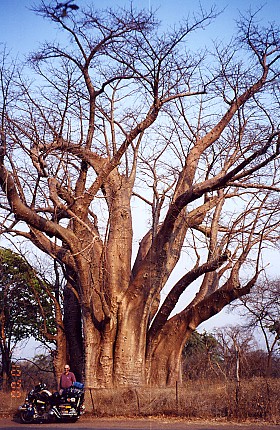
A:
(71, 399)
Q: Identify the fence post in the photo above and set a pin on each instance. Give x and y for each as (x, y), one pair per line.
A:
(177, 397)
(92, 402)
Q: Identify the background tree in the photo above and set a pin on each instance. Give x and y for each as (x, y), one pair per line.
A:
(126, 115)
(18, 313)
(26, 309)
(201, 357)
(262, 312)
(236, 345)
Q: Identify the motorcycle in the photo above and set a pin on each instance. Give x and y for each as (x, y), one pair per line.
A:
(41, 405)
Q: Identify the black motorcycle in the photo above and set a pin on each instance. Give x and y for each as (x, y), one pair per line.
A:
(41, 405)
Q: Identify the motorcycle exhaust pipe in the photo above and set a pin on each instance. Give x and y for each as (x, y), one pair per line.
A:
(54, 412)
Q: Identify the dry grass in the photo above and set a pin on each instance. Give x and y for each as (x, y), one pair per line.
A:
(9, 404)
(255, 399)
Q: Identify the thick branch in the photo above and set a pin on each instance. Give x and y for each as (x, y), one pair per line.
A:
(24, 213)
(174, 295)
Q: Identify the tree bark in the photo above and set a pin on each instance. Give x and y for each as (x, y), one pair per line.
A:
(73, 331)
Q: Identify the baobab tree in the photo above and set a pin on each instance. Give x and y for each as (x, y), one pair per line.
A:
(126, 122)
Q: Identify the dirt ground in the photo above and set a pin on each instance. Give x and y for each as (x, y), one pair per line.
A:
(139, 424)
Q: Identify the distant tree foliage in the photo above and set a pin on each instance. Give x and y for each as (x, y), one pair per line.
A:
(216, 355)
(201, 357)
(38, 369)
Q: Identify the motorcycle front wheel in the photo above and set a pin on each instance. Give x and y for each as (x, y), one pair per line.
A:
(74, 419)
(26, 416)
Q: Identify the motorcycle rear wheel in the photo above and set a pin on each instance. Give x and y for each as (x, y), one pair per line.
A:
(26, 417)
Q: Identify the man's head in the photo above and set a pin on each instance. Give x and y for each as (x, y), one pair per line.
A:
(66, 368)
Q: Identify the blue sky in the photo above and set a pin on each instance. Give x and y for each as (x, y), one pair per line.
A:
(21, 30)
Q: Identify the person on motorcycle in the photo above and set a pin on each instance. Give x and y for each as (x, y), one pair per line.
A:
(67, 378)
